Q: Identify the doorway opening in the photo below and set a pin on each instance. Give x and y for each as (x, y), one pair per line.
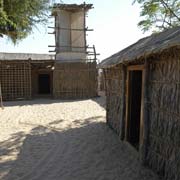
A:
(133, 128)
(44, 84)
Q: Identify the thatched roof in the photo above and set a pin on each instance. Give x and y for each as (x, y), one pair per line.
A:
(25, 56)
(144, 47)
(72, 7)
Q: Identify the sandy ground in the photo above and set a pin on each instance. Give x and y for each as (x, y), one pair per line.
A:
(63, 140)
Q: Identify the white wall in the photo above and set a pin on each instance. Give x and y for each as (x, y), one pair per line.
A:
(63, 36)
(71, 56)
(74, 39)
(77, 37)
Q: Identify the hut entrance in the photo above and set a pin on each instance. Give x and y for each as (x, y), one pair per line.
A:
(42, 78)
(44, 83)
(133, 115)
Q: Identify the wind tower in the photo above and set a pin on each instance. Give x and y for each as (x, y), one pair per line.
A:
(75, 62)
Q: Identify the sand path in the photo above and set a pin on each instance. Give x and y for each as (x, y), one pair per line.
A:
(63, 140)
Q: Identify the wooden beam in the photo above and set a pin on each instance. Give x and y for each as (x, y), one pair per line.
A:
(135, 67)
(66, 46)
(90, 54)
(51, 32)
(51, 45)
(71, 29)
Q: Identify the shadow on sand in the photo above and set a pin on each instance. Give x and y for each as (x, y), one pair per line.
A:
(43, 101)
(101, 100)
(91, 151)
(38, 101)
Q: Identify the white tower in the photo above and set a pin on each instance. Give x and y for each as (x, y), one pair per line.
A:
(70, 32)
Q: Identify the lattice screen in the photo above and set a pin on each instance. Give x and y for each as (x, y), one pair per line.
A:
(15, 78)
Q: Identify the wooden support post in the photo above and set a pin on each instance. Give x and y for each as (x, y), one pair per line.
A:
(105, 84)
(85, 43)
(1, 101)
(94, 52)
(123, 105)
(145, 120)
(30, 79)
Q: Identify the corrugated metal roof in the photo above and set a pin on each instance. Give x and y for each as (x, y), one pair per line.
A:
(25, 56)
(144, 47)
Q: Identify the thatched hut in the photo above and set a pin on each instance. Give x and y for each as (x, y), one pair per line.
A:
(143, 99)
(24, 76)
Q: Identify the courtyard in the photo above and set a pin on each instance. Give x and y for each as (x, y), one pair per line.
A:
(47, 139)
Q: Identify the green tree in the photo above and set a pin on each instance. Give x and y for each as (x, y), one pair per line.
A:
(159, 15)
(18, 17)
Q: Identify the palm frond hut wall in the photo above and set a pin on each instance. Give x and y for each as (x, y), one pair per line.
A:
(75, 80)
(114, 96)
(158, 59)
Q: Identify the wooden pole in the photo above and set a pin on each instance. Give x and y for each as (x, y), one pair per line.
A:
(1, 102)
(105, 84)
(94, 53)
(72, 29)
(123, 105)
(145, 133)
(85, 43)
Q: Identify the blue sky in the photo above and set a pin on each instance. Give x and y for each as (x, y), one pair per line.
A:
(114, 23)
